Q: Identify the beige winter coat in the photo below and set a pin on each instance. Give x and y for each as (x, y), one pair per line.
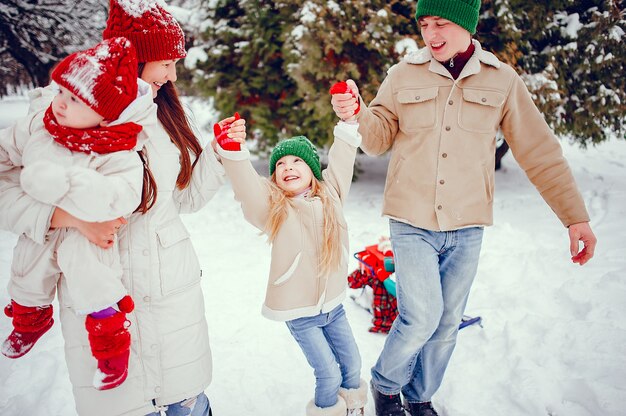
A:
(296, 287)
(170, 355)
(442, 134)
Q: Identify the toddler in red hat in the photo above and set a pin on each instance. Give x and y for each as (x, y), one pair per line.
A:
(78, 150)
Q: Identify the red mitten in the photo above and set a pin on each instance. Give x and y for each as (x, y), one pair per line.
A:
(341, 87)
(29, 323)
(221, 134)
(109, 340)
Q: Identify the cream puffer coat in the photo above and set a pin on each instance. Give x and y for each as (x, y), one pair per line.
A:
(442, 133)
(170, 355)
(296, 288)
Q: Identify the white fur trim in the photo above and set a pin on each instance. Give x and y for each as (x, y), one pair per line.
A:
(242, 154)
(355, 398)
(423, 56)
(339, 409)
(348, 132)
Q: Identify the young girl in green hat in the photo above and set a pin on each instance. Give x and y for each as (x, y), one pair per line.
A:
(299, 208)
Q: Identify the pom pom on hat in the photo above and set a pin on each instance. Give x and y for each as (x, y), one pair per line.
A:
(104, 77)
(297, 146)
(462, 12)
(152, 30)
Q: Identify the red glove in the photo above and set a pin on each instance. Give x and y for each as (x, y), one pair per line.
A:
(221, 134)
(341, 87)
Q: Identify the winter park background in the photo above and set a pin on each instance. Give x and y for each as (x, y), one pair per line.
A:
(553, 335)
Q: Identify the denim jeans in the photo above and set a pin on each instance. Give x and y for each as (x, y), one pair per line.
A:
(434, 274)
(329, 346)
(196, 406)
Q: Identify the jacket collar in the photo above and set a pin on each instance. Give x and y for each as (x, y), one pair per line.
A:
(423, 56)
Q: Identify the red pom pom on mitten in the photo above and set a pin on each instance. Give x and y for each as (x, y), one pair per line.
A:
(29, 323)
(126, 305)
(221, 134)
(341, 87)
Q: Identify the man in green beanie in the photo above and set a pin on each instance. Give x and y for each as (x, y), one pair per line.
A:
(438, 111)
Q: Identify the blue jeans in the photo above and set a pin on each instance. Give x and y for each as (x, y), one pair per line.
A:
(196, 406)
(329, 346)
(434, 274)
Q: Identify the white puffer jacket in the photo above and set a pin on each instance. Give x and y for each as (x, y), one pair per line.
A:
(170, 355)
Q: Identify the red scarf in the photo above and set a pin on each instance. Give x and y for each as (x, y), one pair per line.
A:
(100, 140)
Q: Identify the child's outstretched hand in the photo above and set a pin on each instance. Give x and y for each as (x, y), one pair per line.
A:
(345, 99)
(230, 132)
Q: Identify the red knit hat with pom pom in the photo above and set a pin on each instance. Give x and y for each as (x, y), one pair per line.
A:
(153, 31)
(104, 77)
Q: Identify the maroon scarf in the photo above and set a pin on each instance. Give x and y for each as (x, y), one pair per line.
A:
(458, 61)
(100, 140)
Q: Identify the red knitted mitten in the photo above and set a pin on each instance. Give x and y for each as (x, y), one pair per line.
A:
(29, 323)
(109, 340)
(341, 87)
(221, 134)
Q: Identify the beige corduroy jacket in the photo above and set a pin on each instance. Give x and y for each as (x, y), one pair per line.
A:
(295, 287)
(442, 134)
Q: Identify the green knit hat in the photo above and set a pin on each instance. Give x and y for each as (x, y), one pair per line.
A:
(297, 146)
(462, 12)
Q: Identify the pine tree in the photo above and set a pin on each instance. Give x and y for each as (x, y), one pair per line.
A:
(244, 70)
(275, 61)
(572, 61)
(35, 35)
(337, 41)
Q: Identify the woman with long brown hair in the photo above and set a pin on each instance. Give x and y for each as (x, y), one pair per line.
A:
(170, 362)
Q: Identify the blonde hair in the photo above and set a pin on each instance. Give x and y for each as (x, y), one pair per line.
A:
(331, 243)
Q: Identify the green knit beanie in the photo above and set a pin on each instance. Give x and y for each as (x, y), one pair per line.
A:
(462, 12)
(297, 146)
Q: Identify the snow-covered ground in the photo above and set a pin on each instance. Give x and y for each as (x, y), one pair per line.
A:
(553, 335)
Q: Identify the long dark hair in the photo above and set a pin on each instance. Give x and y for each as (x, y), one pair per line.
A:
(172, 117)
(171, 114)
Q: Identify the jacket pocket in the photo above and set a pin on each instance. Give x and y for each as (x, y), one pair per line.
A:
(289, 273)
(481, 110)
(179, 267)
(417, 108)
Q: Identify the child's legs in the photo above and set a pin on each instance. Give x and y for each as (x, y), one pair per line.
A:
(93, 275)
(341, 340)
(34, 271)
(310, 336)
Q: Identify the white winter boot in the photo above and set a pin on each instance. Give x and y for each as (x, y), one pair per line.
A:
(355, 399)
(339, 409)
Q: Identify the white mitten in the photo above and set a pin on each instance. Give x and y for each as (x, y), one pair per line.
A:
(45, 181)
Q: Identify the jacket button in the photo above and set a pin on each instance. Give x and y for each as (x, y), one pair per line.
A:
(447, 128)
(450, 102)
(145, 252)
(157, 389)
(484, 100)
(146, 298)
(442, 181)
(439, 207)
(417, 97)
(444, 155)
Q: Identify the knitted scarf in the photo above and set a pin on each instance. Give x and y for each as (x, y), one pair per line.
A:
(100, 140)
